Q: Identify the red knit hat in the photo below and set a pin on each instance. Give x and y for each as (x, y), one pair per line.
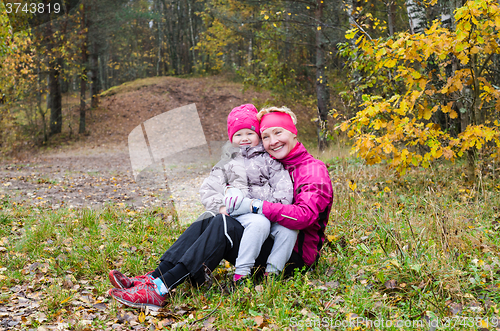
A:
(242, 117)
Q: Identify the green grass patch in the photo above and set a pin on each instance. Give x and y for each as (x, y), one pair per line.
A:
(132, 86)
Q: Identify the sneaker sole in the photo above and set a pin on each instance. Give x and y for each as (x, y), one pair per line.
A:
(114, 281)
(136, 304)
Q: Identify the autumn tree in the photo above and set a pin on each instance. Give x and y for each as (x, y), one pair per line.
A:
(17, 83)
(401, 124)
(281, 45)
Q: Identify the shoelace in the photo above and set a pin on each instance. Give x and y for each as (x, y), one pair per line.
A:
(148, 283)
(139, 279)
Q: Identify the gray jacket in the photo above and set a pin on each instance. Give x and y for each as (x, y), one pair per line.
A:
(253, 171)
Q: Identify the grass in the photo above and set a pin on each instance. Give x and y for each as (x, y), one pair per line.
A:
(132, 86)
(414, 248)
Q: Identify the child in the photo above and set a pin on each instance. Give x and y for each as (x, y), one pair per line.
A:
(246, 166)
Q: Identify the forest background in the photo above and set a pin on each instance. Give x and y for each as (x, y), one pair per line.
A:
(414, 84)
(445, 101)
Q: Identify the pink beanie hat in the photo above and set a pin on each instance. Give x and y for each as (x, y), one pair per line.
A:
(242, 117)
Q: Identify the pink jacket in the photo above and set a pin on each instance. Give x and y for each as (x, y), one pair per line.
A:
(312, 202)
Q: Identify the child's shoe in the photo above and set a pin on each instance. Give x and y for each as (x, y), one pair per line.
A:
(234, 283)
(121, 281)
(141, 295)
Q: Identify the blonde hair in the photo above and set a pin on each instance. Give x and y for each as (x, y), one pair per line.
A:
(283, 109)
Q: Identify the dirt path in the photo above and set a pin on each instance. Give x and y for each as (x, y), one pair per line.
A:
(94, 177)
(96, 169)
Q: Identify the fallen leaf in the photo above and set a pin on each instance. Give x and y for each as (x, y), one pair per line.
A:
(259, 321)
(141, 317)
(68, 284)
(209, 322)
(66, 300)
(351, 316)
(169, 321)
(330, 271)
(455, 308)
(100, 306)
(391, 284)
(333, 284)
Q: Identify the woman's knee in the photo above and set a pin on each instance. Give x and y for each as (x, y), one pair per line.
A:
(283, 232)
(260, 222)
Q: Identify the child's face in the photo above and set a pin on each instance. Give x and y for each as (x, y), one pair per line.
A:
(245, 137)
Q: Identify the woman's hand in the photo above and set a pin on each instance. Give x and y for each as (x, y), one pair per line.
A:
(233, 198)
(222, 210)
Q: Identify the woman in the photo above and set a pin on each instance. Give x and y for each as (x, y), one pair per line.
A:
(206, 242)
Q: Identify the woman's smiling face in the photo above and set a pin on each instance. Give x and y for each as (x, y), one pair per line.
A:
(278, 142)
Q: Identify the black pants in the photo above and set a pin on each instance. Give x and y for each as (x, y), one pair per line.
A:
(207, 241)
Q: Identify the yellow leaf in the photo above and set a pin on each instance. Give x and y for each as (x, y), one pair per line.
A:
(142, 317)
(467, 26)
(453, 114)
(351, 316)
(319, 28)
(427, 113)
(350, 33)
(352, 185)
(416, 74)
(331, 238)
(388, 148)
(65, 300)
(483, 324)
(390, 63)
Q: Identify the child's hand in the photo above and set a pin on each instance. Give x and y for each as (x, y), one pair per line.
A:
(244, 208)
(233, 199)
(222, 210)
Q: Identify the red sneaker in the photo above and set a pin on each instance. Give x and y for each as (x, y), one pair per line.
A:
(140, 296)
(121, 281)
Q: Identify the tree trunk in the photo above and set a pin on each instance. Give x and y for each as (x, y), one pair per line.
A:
(54, 98)
(39, 103)
(471, 163)
(93, 35)
(101, 72)
(54, 101)
(391, 8)
(94, 86)
(193, 44)
(416, 16)
(170, 18)
(83, 77)
(178, 37)
(160, 40)
(322, 93)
